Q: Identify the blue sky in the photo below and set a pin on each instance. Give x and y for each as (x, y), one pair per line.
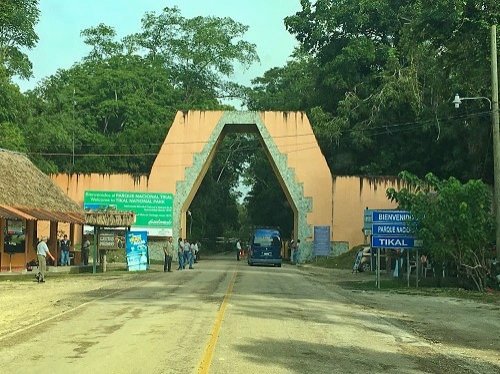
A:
(60, 44)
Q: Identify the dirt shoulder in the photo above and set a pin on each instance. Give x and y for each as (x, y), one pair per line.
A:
(453, 325)
(25, 302)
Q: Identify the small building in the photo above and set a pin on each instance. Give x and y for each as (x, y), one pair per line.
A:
(27, 197)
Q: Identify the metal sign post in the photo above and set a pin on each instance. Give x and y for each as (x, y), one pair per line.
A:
(408, 268)
(378, 268)
(417, 269)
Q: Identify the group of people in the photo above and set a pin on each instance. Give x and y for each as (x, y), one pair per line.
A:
(42, 252)
(188, 254)
(64, 245)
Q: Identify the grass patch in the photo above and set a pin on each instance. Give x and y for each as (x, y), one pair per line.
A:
(427, 287)
(343, 261)
(430, 286)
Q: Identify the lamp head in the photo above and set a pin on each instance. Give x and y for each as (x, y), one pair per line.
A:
(457, 101)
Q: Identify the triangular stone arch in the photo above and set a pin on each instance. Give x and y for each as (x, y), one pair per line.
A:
(291, 147)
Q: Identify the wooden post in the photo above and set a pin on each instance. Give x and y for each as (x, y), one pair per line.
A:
(496, 134)
(72, 241)
(72, 234)
(53, 241)
(104, 261)
(94, 255)
(28, 238)
(2, 240)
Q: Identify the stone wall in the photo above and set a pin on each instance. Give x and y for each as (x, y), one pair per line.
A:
(350, 194)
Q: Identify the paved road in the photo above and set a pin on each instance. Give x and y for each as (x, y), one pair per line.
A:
(221, 317)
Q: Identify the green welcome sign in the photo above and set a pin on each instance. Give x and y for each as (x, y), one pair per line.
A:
(152, 210)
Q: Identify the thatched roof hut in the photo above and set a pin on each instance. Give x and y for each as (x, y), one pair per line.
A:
(28, 193)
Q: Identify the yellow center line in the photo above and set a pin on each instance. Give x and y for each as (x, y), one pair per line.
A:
(210, 347)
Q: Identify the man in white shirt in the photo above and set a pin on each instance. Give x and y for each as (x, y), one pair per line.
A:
(196, 250)
(41, 253)
(238, 249)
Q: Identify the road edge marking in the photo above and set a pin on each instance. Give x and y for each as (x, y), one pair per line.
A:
(208, 352)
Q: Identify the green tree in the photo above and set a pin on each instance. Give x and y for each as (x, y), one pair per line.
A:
(380, 81)
(215, 208)
(453, 219)
(289, 88)
(17, 32)
(112, 109)
(12, 137)
(116, 112)
(102, 40)
(266, 203)
(199, 53)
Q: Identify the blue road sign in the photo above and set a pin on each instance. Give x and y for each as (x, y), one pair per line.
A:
(390, 229)
(391, 216)
(388, 241)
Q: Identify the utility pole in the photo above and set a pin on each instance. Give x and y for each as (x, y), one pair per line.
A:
(496, 133)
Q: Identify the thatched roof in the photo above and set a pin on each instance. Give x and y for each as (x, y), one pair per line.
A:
(28, 193)
(108, 218)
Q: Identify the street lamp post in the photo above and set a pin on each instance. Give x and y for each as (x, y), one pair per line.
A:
(496, 132)
(190, 222)
(458, 100)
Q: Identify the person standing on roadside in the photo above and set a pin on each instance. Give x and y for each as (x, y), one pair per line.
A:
(180, 253)
(297, 252)
(238, 249)
(192, 255)
(41, 252)
(65, 244)
(168, 250)
(292, 251)
(85, 251)
(187, 253)
(198, 249)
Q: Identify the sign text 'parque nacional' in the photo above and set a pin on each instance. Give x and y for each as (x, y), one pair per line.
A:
(152, 210)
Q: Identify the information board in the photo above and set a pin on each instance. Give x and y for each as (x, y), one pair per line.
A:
(153, 210)
(137, 250)
(322, 246)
